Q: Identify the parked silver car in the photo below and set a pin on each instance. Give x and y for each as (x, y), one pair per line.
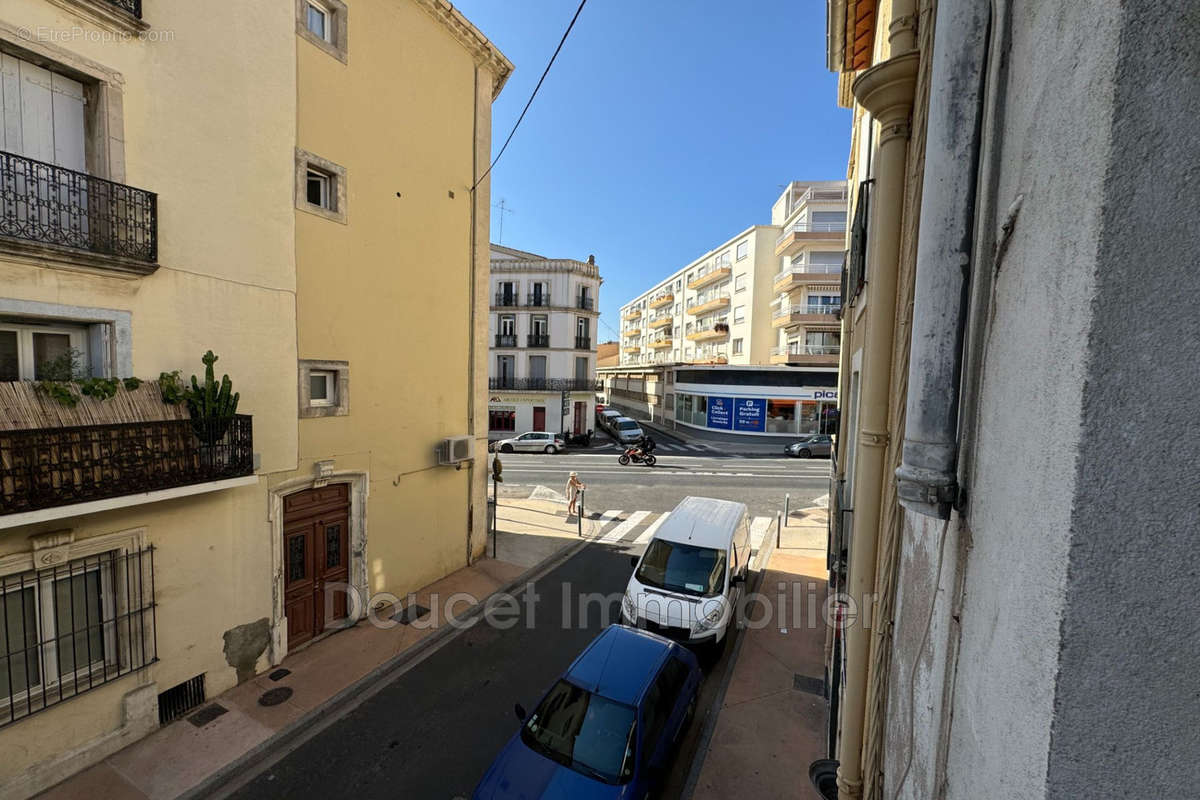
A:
(533, 442)
(626, 430)
(809, 445)
(607, 417)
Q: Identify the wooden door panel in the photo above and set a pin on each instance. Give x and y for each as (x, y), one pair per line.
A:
(316, 552)
(334, 563)
(298, 583)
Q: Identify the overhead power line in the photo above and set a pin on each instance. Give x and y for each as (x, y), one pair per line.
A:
(546, 72)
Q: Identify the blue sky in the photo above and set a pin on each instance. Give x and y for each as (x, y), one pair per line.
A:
(664, 128)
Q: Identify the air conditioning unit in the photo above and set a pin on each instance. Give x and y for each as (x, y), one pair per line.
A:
(455, 450)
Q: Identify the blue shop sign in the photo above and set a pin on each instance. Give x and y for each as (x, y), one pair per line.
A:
(750, 415)
(720, 412)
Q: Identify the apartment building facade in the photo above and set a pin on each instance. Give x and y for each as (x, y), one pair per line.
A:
(743, 340)
(1028, 599)
(150, 557)
(542, 333)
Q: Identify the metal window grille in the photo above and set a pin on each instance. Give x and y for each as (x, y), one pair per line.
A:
(49, 204)
(855, 274)
(134, 7)
(180, 699)
(74, 626)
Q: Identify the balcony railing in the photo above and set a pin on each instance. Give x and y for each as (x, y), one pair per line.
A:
(133, 7)
(506, 340)
(538, 340)
(537, 300)
(585, 303)
(809, 309)
(50, 467)
(52, 205)
(833, 271)
(796, 349)
(583, 343)
(507, 300)
(542, 384)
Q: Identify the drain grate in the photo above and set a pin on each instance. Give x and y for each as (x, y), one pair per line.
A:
(207, 715)
(273, 697)
(804, 683)
(279, 674)
(410, 614)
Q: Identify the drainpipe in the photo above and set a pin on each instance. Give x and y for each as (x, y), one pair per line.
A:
(886, 91)
(927, 480)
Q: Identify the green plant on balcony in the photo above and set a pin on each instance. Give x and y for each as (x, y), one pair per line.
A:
(211, 405)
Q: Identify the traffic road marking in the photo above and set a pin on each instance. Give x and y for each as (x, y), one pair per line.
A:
(618, 533)
(758, 531)
(648, 534)
(607, 517)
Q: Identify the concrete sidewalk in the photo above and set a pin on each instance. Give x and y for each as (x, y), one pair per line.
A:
(772, 720)
(191, 757)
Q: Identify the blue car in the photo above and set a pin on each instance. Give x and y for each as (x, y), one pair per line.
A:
(606, 729)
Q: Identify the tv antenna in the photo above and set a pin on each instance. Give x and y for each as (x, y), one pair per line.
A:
(503, 208)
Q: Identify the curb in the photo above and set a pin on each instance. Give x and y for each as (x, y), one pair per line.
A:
(258, 759)
(710, 721)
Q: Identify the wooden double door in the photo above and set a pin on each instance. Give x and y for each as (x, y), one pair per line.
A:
(316, 553)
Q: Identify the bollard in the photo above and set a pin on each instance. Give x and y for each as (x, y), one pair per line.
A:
(787, 508)
(778, 530)
(579, 512)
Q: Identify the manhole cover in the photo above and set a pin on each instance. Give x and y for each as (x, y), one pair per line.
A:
(273, 697)
(207, 715)
(410, 614)
(279, 674)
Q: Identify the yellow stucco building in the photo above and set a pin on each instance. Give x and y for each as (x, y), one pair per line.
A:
(174, 184)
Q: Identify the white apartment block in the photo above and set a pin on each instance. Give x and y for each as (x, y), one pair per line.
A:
(703, 313)
(807, 289)
(745, 339)
(542, 337)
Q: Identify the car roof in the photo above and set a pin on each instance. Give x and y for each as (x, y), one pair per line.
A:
(614, 412)
(626, 419)
(702, 521)
(619, 663)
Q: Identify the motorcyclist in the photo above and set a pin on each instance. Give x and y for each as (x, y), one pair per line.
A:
(644, 445)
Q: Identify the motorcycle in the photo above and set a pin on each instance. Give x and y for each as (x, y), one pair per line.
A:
(636, 456)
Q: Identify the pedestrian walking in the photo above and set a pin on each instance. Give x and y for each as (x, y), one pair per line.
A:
(574, 485)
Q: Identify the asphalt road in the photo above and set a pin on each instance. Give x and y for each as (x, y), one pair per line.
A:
(760, 483)
(433, 731)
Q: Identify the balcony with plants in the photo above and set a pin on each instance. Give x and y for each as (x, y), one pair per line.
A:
(70, 444)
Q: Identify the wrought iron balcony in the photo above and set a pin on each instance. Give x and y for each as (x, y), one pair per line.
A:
(133, 7)
(51, 205)
(542, 384)
(583, 343)
(537, 300)
(504, 300)
(538, 340)
(585, 303)
(506, 340)
(50, 467)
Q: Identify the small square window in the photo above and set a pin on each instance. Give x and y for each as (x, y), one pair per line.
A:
(737, 347)
(318, 21)
(317, 189)
(322, 386)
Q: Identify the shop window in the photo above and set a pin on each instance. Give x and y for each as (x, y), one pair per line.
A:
(502, 420)
(781, 416)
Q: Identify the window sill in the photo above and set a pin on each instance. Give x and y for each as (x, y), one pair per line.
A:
(49, 255)
(105, 14)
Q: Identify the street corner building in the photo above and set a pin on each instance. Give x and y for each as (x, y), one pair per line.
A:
(320, 231)
(541, 343)
(743, 342)
(1015, 463)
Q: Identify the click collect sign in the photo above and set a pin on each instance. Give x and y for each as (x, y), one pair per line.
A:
(720, 412)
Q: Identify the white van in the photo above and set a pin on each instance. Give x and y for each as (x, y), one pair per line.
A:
(687, 583)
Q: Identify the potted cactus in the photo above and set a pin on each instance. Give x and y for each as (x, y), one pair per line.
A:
(211, 405)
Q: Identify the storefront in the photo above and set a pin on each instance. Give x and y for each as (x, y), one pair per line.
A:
(755, 402)
(555, 412)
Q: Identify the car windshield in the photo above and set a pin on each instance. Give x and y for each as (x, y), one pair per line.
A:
(627, 425)
(586, 732)
(683, 568)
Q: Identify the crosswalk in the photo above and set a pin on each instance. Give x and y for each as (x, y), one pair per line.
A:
(638, 527)
(665, 447)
